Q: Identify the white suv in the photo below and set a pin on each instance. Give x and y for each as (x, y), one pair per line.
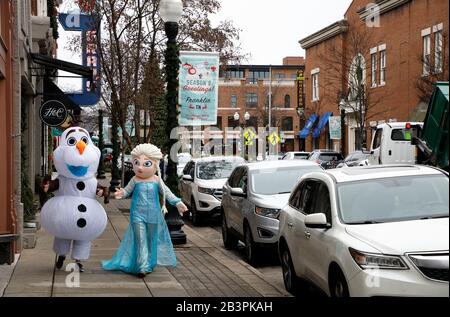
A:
(202, 183)
(370, 231)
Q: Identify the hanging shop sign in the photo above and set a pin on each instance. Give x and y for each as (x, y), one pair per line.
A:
(199, 88)
(53, 113)
(335, 128)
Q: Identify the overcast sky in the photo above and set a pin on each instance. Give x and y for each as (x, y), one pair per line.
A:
(270, 30)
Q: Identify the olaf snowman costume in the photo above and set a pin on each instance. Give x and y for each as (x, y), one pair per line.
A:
(73, 216)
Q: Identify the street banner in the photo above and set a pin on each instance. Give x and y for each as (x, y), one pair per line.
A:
(335, 128)
(199, 88)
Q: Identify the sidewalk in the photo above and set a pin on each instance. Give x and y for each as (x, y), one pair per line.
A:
(205, 269)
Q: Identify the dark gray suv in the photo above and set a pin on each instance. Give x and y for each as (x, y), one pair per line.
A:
(328, 159)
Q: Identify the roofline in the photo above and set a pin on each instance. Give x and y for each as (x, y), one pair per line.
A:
(228, 67)
(326, 33)
(384, 7)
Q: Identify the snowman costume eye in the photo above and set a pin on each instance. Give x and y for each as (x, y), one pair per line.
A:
(72, 141)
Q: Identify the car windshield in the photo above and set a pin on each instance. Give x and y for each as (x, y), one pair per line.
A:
(279, 180)
(328, 157)
(394, 199)
(216, 169)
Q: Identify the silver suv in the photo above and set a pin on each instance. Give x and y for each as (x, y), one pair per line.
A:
(252, 199)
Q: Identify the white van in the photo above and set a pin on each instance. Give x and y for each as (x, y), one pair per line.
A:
(391, 143)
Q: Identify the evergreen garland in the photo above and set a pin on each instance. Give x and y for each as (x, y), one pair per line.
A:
(53, 20)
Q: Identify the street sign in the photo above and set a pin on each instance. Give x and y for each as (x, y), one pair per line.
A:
(53, 113)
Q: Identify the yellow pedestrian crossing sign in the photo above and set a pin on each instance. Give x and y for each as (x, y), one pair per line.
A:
(274, 138)
(249, 136)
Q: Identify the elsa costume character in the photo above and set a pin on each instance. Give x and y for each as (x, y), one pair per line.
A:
(147, 242)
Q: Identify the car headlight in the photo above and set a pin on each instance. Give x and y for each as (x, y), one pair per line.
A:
(267, 212)
(377, 261)
(207, 191)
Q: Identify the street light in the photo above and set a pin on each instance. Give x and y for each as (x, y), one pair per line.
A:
(171, 12)
(247, 116)
(342, 105)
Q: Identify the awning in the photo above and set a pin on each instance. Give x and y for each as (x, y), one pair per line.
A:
(309, 124)
(62, 65)
(322, 124)
(53, 92)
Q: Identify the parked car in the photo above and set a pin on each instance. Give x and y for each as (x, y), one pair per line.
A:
(368, 231)
(202, 183)
(252, 199)
(328, 159)
(296, 156)
(183, 159)
(357, 158)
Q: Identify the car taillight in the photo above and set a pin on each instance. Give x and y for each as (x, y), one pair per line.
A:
(318, 162)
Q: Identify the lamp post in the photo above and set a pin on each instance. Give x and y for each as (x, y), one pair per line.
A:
(170, 12)
(341, 107)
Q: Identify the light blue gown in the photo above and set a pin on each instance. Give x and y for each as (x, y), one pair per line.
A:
(147, 242)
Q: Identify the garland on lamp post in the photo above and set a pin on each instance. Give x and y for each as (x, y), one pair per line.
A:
(115, 175)
(172, 63)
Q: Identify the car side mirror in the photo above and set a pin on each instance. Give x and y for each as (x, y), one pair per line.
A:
(187, 178)
(317, 221)
(238, 192)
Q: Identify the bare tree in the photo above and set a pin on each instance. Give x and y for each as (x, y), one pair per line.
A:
(347, 67)
(436, 65)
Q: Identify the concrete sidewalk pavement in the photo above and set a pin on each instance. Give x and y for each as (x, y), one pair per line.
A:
(204, 269)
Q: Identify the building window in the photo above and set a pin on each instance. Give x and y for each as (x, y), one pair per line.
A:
(280, 76)
(426, 54)
(383, 67)
(287, 101)
(252, 100)
(234, 74)
(288, 124)
(233, 101)
(255, 75)
(315, 86)
(374, 69)
(219, 123)
(438, 41)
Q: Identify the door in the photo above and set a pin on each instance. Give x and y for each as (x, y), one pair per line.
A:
(375, 156)
(186, 186)
(232, 200)
(242, 203)
(317, 242)
(304, 207)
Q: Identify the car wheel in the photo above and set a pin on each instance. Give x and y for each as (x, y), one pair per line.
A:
(291, 282)
(251, 251)
(195, 216)
(338, 285)
(229, 240)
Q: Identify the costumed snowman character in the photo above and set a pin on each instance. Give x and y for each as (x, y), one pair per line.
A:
(74, 216)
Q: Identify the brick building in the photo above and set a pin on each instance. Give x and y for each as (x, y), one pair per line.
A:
(244, 92)
(395, 49)
(8, 227)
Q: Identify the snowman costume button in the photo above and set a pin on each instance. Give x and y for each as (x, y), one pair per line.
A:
(81, 186)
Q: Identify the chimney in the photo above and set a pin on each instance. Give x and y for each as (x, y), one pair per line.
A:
(294, 61)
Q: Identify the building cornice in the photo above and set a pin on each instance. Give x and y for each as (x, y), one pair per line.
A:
(324, 34)
(383, 5)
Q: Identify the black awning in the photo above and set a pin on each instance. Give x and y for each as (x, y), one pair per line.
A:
(52, 92)
(62, 65)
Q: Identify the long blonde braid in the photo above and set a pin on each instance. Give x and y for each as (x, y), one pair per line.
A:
(153, 153)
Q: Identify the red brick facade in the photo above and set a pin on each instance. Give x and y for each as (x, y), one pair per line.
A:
(399, 34)
(245, 89)
(7, 212)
